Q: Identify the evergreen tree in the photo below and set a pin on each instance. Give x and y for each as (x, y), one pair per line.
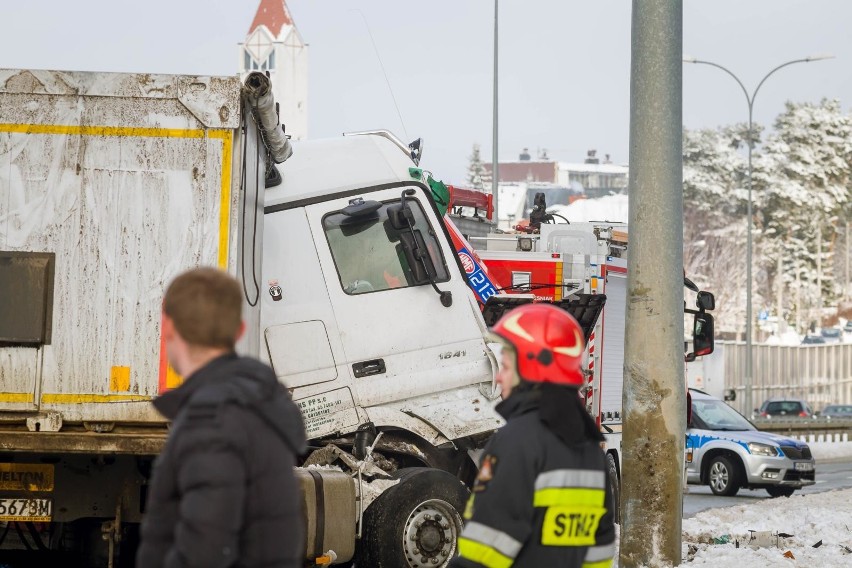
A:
(714, 225)
(804, 202)
(477, 176)
(801, 200)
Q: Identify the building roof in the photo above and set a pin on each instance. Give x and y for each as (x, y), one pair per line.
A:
(593, 168)
(527, 170)
(273, 14)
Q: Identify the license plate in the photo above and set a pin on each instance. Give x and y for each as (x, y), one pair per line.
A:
(803, 466)
(26, 509)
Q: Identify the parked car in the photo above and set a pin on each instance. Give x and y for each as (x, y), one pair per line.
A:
(848, 327)
(831, 334)
(838, 411)
(727, 452)
(785, 408)
(813, 340)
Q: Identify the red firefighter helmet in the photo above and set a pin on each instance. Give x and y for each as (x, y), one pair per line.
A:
(548, 344)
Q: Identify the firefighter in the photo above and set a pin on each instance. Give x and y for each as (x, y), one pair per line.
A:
(542, 496)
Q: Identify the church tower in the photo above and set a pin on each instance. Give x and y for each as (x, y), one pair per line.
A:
(274, 44)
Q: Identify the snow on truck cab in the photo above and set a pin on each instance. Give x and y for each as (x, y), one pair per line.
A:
(114, 183)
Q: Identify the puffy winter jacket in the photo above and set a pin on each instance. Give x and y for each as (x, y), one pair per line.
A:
(223, 492)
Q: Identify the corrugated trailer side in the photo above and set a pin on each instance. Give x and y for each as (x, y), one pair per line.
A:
(110, 184)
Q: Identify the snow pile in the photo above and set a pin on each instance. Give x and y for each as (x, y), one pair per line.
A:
(789, 337)
(821, 519)
(609, 208)
(830, 451)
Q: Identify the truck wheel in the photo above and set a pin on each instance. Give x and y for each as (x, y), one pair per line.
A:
(724, 476)
(615, 485)
(414, 524)
(780, 490)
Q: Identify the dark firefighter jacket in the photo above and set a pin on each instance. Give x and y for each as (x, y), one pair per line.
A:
(542, 497)
(223, 492)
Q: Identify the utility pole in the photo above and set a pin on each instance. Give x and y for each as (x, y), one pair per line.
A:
(495, 169)
(779, 301)
(848, 288)
(819, 272)
(655, 392)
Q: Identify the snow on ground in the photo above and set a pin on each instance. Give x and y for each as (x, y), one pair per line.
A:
(823, 519)
(719, 537)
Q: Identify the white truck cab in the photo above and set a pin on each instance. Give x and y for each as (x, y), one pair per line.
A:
(352, 331)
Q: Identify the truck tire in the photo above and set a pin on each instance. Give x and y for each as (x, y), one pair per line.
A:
(780, 490)
(414, 522)
(615, 485)
(723, 476)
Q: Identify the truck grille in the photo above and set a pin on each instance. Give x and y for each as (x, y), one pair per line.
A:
(795, 453)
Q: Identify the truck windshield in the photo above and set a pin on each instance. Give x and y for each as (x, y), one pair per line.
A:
(711, 414)
(368, 254)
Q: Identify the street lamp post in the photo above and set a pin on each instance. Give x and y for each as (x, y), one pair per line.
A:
(750, 100)
(495, 167)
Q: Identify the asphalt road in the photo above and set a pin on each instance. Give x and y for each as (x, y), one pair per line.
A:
(833, 474)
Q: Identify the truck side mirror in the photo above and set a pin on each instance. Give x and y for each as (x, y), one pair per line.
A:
(702, 335)
(705, 301)
(400, 216)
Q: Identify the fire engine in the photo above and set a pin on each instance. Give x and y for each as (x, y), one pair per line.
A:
(581, 267)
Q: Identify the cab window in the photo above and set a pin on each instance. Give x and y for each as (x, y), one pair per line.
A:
(368, 253)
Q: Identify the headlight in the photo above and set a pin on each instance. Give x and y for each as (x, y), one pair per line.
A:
(762, 449)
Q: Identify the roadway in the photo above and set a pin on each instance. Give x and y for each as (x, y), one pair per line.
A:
(830, 474)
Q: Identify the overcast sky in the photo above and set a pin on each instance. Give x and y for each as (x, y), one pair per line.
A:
(564, 64)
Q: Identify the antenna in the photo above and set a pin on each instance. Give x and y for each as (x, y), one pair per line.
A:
(382, 65)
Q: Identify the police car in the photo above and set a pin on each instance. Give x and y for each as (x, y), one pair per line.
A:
(726, 452)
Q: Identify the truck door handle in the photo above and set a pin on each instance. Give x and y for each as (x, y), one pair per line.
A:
(366, 368)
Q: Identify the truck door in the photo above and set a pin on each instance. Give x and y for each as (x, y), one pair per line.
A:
(399, 341)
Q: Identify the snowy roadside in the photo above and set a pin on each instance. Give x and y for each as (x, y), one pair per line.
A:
(812, 530)
(819, 526)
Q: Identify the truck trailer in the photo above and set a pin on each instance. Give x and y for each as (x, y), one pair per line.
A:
(111, 184)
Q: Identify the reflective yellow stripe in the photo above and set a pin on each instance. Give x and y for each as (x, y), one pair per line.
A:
(79, 130)
(569, 496)
(68, 398)
(225, 135)
(227, 138)
(498, 540)
(468, 510)
(72, 398)
(557, 281)
(589, 478)
(485, 555)
(600, 552)
(25, 397)
(602, 564)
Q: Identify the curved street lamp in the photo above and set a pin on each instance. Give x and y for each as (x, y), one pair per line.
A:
(750, 101)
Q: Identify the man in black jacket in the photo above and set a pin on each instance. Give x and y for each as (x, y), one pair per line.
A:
(223, 492)
(542, 496)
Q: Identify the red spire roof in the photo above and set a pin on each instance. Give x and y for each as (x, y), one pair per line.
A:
(273, 14)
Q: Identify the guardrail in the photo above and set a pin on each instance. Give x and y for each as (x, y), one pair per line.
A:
(804, 426)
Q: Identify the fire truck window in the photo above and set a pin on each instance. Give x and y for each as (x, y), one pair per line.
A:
(367, 251)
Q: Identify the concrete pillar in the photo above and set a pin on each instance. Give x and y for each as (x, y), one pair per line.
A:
(655, 392)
